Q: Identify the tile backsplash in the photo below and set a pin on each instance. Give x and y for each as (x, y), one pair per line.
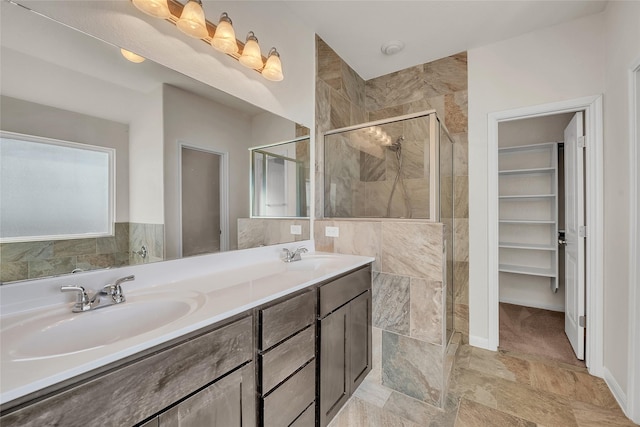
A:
(31, 260)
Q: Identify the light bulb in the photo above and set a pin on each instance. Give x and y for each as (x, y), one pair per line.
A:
(130, 56)
(251, 56)
(155, 8)
(192, 21)
(273, 68)
(225, 38)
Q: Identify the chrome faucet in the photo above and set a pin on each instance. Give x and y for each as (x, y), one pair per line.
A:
(85, 301)
(289, 256)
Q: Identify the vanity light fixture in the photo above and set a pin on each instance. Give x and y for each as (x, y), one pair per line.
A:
(273, 68)
(224, 38)
(190, 19)
(251, 56)
(130, 56)
(155, 8)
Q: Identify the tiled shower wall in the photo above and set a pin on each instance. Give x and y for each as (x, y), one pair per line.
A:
(408, 305)
(344, 99)
(359, 177)
(408, 300)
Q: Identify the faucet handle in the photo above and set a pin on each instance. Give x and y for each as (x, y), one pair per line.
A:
(115, 290)
(125, 279)
(83, 302)
(287, 255)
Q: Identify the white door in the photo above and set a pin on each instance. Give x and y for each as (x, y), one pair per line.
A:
(574, 229)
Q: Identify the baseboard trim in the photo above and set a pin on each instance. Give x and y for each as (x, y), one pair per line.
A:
(527, 303)
(616, 390)
(480, 342)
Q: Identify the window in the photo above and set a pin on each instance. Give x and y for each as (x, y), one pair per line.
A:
(52, 189)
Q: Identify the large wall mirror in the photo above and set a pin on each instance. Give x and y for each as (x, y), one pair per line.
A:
(176, 182)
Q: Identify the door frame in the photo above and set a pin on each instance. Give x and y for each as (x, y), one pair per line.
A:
(594, 208)
(224, 193)
(633, 392)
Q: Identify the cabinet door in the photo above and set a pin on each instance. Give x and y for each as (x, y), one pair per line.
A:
(229, 402)
(334, 363)
(360, 339)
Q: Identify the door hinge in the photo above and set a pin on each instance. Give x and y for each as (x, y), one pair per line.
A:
(582, 142)
(582, 231)
(582, 321)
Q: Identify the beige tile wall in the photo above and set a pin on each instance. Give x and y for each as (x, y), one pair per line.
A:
(256, 232)
(408, 299)
(30, 260)
(408, 295)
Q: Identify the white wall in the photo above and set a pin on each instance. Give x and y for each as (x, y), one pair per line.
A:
(120, 23)
(584, 57)
(622, 49)
(196, 121)
(267, 128)
(146, 154)
(553, 64)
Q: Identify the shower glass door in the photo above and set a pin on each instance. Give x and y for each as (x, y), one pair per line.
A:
(382, 169)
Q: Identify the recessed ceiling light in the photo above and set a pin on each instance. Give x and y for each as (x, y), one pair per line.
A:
(392, 47)
(133, 57)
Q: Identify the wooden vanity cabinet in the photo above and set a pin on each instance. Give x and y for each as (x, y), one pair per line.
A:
(344, 350)
(210, 374)
(286, 357)
(292, 362)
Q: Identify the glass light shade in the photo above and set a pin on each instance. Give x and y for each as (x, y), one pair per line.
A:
(130, 56)
(225, 37)
(251, 56)
(155, 8)
(273, 68)
(192, 21)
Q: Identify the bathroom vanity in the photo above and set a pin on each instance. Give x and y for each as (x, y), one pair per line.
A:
(293, 358)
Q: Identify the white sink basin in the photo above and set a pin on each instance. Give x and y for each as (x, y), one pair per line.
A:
(315, 262)
(62, 332)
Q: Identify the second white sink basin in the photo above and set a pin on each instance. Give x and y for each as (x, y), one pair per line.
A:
(315, 262)
(59, 333)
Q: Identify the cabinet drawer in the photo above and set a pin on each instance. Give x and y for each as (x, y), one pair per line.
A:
(283, 360)
(307, 419)
(286, 318)
(146, 386)
(289, 400)
(342, 290)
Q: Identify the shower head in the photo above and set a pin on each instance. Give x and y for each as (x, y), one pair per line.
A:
(396, 145)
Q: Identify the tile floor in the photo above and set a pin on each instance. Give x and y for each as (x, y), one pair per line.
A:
(494, 389)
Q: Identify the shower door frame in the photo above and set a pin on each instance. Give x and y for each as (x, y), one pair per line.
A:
(434, 154)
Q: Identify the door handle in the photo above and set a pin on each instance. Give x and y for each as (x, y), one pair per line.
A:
(561, 239)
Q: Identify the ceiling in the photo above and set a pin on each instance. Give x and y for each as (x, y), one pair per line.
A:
(429, 29)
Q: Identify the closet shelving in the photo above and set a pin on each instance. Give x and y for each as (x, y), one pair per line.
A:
(528, 216)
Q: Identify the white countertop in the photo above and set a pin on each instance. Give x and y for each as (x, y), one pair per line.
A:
(220, 288)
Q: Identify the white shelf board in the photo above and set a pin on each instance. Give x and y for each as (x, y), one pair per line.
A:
(531, 271)
(528, 246)
(527, 171)
(527, 221)
(530, 147)
(527, 196)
